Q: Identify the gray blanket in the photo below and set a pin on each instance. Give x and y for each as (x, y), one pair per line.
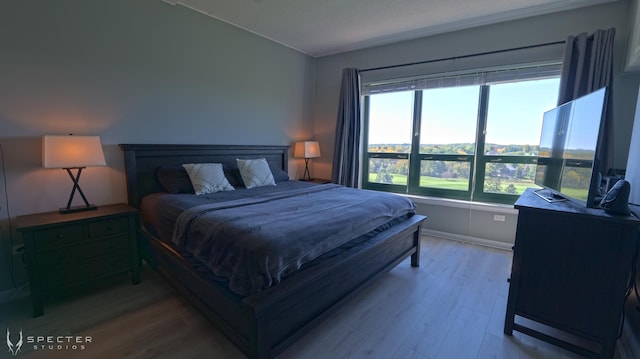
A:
(255, 242)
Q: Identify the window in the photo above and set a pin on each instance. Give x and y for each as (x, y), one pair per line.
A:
(465, 136)
(390, 125)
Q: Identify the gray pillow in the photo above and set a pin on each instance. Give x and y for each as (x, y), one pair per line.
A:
(174, 179)
(279, 175)
(255, 173)
(207, 177)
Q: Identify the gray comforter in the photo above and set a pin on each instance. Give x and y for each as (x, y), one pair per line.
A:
(255, 242)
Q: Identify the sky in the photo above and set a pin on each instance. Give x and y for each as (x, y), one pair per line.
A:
(449, 115)
(587, 110)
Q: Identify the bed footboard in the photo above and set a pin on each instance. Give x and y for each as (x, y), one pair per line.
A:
(290, 310)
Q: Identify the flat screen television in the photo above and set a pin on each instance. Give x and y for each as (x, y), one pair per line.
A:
(568, 152)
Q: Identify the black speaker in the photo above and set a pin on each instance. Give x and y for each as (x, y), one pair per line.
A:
(616, 201)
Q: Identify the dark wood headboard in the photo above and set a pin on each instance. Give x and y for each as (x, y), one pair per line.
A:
(142, 160)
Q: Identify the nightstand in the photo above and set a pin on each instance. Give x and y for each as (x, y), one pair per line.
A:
(64, 251)
(317, 180)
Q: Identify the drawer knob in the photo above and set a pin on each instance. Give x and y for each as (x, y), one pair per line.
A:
(60, 236)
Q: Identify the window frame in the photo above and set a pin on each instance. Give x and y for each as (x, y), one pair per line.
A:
(477, 161)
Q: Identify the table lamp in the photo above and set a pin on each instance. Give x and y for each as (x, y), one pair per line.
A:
(306, 150)
(73, 153)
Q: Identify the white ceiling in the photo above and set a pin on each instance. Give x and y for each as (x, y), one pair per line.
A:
(324, 27)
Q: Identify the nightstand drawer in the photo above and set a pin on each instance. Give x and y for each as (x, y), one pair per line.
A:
(108, 227)
(55, 280)
(57, 237)
(82, 252)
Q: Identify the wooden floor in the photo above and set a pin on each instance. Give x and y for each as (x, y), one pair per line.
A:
(453, 306)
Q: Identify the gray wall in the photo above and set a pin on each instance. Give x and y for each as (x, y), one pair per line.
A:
(139, 71)
(470, 222)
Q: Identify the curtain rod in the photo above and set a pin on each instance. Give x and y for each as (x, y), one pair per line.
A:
(463, 56)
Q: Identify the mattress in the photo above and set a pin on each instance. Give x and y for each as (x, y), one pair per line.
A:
(254, 238)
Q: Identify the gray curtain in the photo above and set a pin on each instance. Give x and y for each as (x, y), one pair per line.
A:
(346, 154)
(588, 66)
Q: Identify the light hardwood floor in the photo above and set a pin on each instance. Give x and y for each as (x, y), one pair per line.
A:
(453, 306)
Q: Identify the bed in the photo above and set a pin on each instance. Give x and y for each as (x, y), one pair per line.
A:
(265, 320)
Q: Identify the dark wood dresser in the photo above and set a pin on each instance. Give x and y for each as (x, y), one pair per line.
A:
(65, 251)
(569, 275)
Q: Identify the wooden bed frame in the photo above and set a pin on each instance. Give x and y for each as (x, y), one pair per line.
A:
(264, 324)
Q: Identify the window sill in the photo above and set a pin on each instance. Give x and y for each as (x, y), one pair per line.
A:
(446, 202)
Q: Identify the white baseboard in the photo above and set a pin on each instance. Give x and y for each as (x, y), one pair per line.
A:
(468, 239)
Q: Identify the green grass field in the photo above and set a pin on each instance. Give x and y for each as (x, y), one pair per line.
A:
(461, 184)
(578, 193)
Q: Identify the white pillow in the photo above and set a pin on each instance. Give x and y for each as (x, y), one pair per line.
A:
(207, 177)
(255, 173)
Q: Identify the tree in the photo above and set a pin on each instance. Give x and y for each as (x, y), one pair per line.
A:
(438, 168)
(384, 177)
(492, 185)
(519, 171)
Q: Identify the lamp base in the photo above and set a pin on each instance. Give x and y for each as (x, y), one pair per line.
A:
(76, 186)
(81, 208)
(307, 175)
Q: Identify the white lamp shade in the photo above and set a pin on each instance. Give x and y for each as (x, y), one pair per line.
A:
(307, 149)
(71, 151)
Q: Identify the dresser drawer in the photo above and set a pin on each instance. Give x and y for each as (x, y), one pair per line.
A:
(55, 280)
(57, 237)
(107, 227)
(82, 252)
